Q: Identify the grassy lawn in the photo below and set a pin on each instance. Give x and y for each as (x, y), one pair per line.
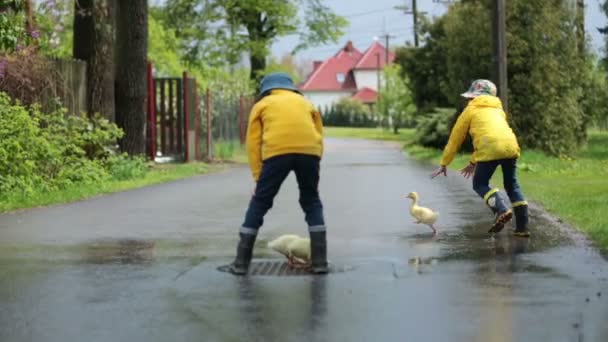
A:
(160, 173)
(576, 190)
(230, 150)
(369, 133)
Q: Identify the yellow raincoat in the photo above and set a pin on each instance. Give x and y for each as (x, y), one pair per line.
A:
(283, 122)
(486, 122)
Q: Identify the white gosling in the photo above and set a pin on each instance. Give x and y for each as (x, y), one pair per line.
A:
(294, 247)
(422, 214)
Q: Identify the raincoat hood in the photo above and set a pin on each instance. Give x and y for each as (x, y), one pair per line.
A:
(486, 101)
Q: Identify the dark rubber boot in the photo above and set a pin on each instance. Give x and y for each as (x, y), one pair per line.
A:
(503, 214)
(318, 249)
(244, 252)
(521, 221)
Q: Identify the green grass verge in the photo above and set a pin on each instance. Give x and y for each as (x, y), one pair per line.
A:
(576, 189)
(158, 174)
(230, 150)
(369, 133)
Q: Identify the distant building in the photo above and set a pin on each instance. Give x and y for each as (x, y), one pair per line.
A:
(349, 73)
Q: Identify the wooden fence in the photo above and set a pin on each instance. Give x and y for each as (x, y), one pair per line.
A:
(73, 81)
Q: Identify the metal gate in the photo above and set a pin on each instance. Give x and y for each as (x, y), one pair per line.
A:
(172, 118)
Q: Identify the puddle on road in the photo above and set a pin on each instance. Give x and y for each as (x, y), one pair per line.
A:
(127, 251)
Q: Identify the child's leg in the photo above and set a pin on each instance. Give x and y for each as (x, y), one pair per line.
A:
(307, 173)
(509, 172)
(481, 185)
(520, 205)
(274, 172)
(481, 179)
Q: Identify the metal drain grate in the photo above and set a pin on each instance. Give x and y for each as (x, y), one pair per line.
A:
(279, 268)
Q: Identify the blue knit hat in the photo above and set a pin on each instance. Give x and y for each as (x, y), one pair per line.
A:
(277, 80)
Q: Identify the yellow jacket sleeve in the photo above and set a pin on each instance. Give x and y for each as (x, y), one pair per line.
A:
(457, 137)
(316, 116)
(254, 141)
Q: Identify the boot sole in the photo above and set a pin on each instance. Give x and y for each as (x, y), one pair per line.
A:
(321, 270)
(501, 221)
(236, 271)
(522, 234)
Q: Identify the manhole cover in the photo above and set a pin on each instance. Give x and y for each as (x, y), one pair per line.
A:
(279, 268)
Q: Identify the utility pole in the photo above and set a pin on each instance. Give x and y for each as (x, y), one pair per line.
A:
(414, 12)
(415, 16)
(378, 65)
(499, 36)
(580, 25)
(387, 38)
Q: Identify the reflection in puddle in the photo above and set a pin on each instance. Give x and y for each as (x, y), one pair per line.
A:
(125, 251)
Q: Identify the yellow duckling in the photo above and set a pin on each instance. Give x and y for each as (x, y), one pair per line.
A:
(294, 247)
(422, 214)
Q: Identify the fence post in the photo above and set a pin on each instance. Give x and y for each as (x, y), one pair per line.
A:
(197, 124)
(151, 114)
(208, 110)
(186, 118)
(241, 120)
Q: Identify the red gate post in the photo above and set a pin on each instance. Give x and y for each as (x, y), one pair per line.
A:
(151, 114)
(208, 109)
(186, 117)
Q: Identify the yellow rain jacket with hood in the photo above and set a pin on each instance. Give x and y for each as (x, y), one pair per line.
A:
(486, 122)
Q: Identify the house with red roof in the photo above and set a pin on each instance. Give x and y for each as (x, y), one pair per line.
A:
(349, 73)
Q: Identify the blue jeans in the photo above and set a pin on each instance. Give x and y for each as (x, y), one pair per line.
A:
(274, 172)
(485, 170)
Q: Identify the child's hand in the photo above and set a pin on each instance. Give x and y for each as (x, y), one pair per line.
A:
(468, 171)
(440, 170)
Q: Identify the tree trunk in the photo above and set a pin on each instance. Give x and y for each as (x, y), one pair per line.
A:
(258, 64)
(94, 38)
(131, 83)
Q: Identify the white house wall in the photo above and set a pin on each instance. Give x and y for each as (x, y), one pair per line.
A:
(323, 99)
(366, 78)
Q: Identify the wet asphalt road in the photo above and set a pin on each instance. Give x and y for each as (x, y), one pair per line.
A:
(141, 265)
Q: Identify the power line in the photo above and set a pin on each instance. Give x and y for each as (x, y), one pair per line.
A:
(360, 14)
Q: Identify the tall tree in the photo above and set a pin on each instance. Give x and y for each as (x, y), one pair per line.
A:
(232, 27)
(395, 100)
(131, 83)
(94, 39)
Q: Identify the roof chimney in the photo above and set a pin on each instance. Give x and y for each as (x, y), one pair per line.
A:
(316, 65)
(349, 46)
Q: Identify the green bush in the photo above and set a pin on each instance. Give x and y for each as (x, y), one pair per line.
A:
(433, 130)
(349, 113)
(42, 152)
(224, 149)
(123, 167)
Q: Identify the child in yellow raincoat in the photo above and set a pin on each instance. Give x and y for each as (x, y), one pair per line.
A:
(285, 134)
(495, 145)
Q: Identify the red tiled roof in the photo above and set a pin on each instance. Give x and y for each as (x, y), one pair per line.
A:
(366, 95)
(325, 76)
(369, 60)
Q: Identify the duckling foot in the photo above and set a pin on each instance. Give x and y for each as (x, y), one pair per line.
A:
(295, 263)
